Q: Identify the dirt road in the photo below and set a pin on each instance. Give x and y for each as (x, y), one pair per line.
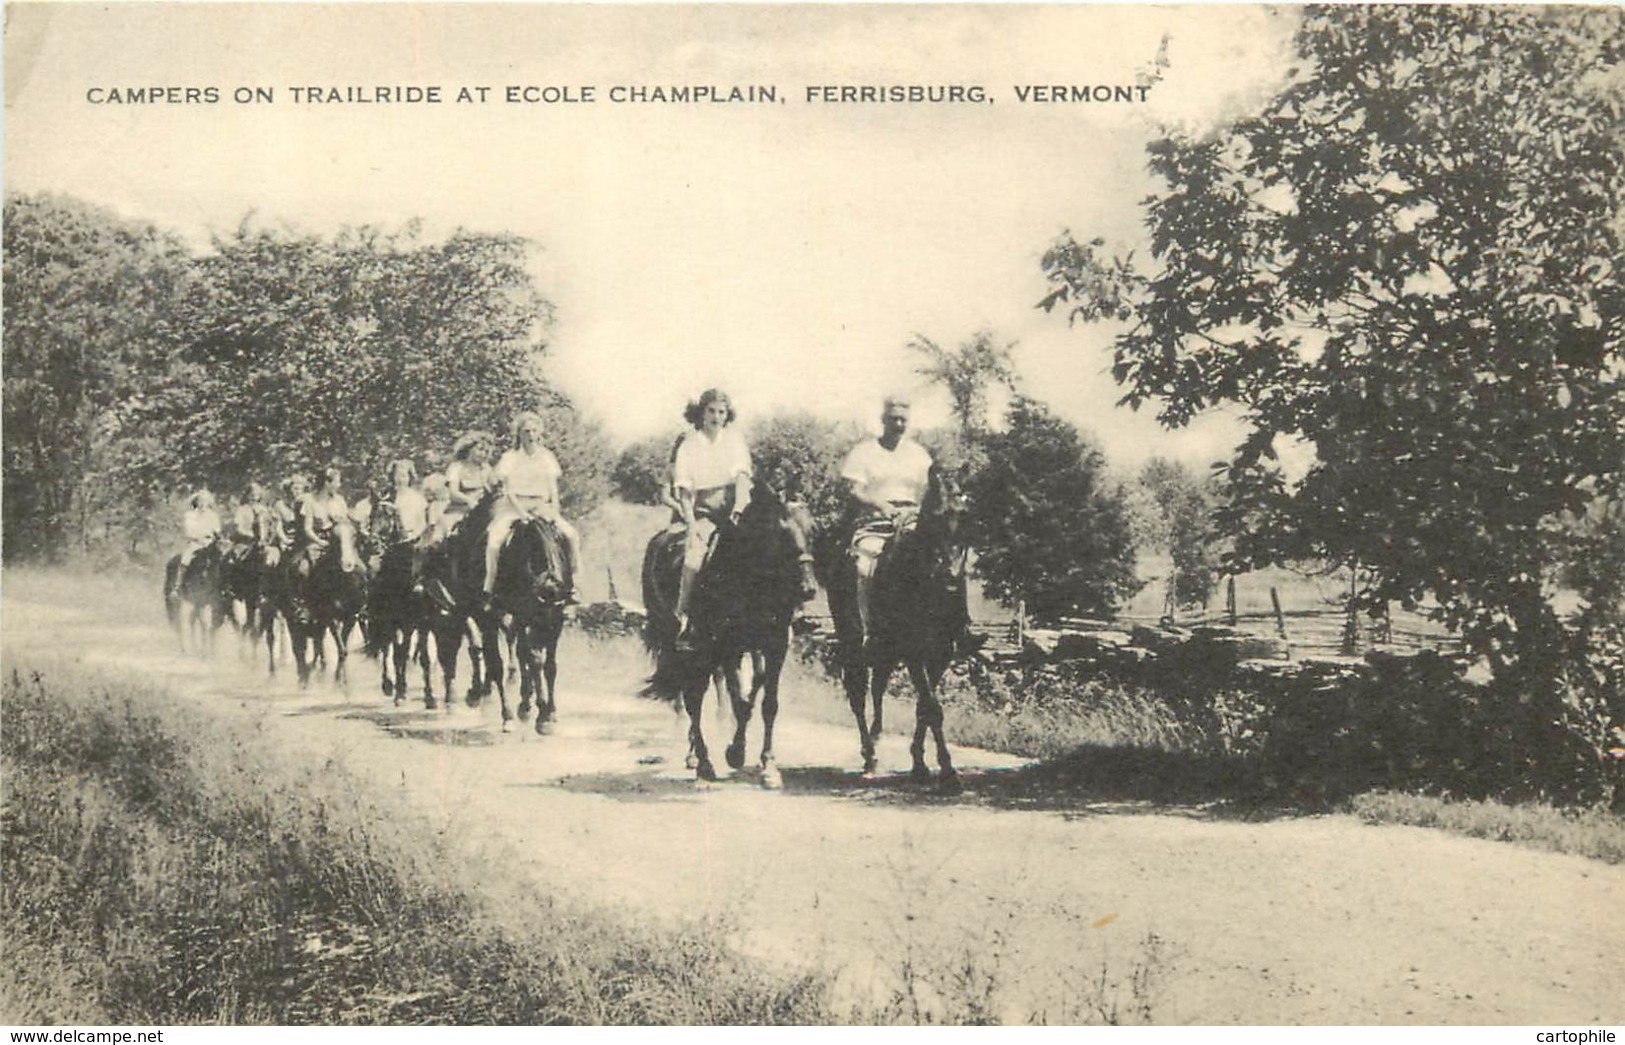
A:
(1027, 912)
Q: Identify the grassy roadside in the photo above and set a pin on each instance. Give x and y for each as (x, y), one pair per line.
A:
(159, 866)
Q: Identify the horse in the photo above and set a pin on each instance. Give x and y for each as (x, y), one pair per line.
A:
(398, 615)
(324, 600)
(742, 605)
(917, 615)
(250, 578)
(527, 616)
(202, 587)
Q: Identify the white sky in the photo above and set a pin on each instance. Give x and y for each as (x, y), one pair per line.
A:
(784, 252)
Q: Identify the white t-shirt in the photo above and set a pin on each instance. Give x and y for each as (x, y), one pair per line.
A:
(200, 525)
(530, 475)
(704, 463)
(880, 474)
(413, 509)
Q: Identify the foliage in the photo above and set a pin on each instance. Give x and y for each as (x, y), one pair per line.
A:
(967, 372)
(135, 369)
(1185, 507)
(800, 456)
(1419, 281)
(89, 302)
(299, 350)
(643, 469)
(1045, 529)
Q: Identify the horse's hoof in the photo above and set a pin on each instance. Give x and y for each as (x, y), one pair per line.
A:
(735, 756)
(430, 704)
(525, 711)
(544, 726)
(919, 774)
(400, 698)
(870, 768)
(705, 771)
(950, 784)
(772, 779)
(507, 725)
(689, 761)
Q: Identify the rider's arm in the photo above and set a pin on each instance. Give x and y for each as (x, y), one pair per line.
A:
(307, 521)
(682, 481)
(742, 478)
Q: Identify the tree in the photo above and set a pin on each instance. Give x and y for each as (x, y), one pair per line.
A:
(643, 469)
(89, 304)
(967, 372)
(296, 350)
(1044, 528)
(800, 457)
(1409, 260)
(1185, 507)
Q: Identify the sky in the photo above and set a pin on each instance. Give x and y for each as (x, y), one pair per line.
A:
(785, 252)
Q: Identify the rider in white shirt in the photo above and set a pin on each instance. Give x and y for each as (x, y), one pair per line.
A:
(887, 478)
(200, 525)
(528, 477)
(711, 474)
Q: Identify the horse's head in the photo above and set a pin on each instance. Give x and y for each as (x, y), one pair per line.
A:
(942, 521)
(532, 568)
(777, 537)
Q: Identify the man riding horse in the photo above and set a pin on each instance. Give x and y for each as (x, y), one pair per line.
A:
(886, 478)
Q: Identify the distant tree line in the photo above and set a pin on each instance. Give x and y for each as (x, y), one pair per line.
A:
(137, 368)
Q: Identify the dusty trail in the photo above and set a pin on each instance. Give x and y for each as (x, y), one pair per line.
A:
(1317, 920)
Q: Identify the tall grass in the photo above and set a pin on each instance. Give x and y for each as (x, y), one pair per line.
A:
(163, 867)
(1582, 832)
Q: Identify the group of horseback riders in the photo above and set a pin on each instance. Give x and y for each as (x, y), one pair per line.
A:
(457, 521)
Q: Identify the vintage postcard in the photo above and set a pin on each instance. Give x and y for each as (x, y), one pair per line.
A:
(552, 331)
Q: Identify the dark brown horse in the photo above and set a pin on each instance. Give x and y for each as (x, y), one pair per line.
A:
(742, 603)
(323, 600)
(527, 616)
(917, 614)
(197, 600)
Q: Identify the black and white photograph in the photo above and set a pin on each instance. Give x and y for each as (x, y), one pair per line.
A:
(783, 515)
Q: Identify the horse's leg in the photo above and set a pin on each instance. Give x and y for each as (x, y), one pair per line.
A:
(880, 679)
(515, 661)
(422, 633)
(386, 661)
(928, 715)
(269, 624)
(299, 638)
(172, 601)
(694, 703)
(340, 629)
(742, 706)
(403, 657)
(522, 651)
(494, 671)
(478, 684)
(772, 665)
(449, 637)
(855, 679)
(549, 712)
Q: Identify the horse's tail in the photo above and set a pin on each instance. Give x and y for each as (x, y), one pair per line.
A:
(659, 626)
(676, 671)
(172, 585)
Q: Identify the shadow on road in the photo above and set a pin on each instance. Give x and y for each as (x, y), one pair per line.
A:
(1092, 782)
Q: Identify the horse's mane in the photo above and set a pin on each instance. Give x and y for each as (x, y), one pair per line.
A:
(535, 550)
